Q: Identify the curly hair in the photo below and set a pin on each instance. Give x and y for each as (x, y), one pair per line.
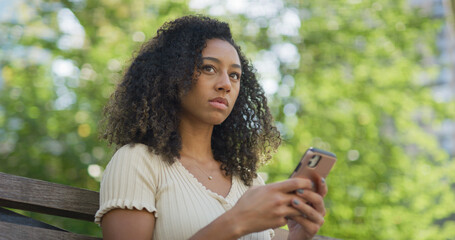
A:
(145, 106)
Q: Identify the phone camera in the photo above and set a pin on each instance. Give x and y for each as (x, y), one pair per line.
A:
(314, 161)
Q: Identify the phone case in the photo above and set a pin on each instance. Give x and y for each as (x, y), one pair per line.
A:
(323, 166)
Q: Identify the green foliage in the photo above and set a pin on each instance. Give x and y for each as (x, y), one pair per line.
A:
(359, 95)
(356, 89)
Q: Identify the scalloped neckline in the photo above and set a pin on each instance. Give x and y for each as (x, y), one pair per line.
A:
(202, 186)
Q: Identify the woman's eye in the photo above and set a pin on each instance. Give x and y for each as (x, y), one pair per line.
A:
(209, 69)
(235, 76)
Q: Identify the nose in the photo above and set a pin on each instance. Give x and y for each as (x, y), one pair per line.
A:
(224, 83)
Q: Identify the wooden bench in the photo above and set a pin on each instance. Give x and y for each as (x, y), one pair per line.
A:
(42, 197)
(53, 199)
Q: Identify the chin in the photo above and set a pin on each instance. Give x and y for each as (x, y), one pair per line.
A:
(217, 120)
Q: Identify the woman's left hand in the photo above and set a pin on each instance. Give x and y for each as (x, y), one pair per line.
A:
(311, 205)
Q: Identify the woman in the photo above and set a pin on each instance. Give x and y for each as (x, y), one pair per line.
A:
(192, 125)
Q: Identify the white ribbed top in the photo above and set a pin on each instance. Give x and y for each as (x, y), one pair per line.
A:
(136, 178)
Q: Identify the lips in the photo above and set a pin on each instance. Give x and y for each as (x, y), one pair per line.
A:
(220, 100)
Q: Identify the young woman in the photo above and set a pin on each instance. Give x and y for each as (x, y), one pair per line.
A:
(192, 126)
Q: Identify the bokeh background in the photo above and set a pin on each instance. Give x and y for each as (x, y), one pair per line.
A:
(372, 81)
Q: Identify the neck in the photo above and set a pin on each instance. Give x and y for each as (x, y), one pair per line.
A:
(196, 141)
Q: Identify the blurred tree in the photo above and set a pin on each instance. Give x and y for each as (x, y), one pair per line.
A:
(362, 91)
(347, 76)
(59, 64)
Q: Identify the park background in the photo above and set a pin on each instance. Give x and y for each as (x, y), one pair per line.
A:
(372, 81)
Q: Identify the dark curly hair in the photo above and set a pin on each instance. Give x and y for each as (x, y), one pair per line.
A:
(146, 104)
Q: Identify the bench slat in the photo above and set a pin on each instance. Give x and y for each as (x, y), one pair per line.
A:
(13, 217)
(11, 231)
(46, 197)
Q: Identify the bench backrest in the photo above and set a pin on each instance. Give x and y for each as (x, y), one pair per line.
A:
(42, 197)
(53, 199)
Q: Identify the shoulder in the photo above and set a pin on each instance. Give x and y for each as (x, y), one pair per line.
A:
(258, 181)
(135, 152)
(133, 149)
(134, 158)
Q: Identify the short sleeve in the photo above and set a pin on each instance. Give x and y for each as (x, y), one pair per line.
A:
(129, 181)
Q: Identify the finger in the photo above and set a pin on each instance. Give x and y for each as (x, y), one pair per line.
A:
(282, 206)
(322, 187)
(309, 226)
(293, 184)
(286, 208)
(289, 211)
(315, 200)
(310, 213)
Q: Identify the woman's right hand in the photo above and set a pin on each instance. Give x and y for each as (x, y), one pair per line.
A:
(267, 206)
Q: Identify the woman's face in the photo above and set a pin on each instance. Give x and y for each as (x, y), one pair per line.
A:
(213, 96)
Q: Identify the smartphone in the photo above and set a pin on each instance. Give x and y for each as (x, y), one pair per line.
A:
(315, 161)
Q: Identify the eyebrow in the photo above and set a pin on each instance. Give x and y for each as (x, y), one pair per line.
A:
(218, 61)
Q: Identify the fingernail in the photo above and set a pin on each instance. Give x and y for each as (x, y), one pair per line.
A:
(300, 191)
(295, 201)
(312, 184)
(323, 180)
